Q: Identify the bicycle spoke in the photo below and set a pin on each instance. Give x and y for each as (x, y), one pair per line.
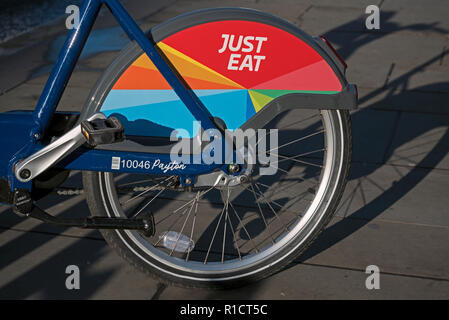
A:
(171, 226)
(297, 140)
(289, 125)
(140, 181)
(182, 229)
(146, 205)
(144, 192)
(244, 228)
(193, 223)
(260, 210)
(299, 155)
(202, 194)
(213, 237)
(183, 206)
(234, 238)
(277, 191)
(224, 226)
(269, 205)
(299, 161)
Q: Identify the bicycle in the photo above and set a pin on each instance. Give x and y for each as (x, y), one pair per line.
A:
(192, 224)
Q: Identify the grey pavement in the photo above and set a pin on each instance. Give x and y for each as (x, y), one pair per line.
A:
(394, 213)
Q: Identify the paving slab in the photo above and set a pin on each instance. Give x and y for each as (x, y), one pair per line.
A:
(428, 80)
(341, 3)
(28, 60)
(367, 75)
(372, 132)
(430, 16)
(58, 206)
(303, 281)
(396, 194)
(190, 5)
(412, 101)
(374, 62)
(369, 96)
(394, 98)
(26, 96)
(99, 61)
(397, 248)
(31, 50)
(290, 11)
(320, 19)
(79, 79)
(40, 273)
(421, 140)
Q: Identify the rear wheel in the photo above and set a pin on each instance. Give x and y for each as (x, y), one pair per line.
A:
(228, 235)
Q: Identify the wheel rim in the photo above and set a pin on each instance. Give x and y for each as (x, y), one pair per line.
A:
(238, 263)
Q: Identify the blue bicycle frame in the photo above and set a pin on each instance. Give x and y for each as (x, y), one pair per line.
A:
(28, 130)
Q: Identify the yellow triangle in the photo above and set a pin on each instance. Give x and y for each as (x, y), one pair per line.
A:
(186, 66)
(259, 100)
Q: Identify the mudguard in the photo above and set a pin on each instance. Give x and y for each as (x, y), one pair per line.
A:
(246, 66)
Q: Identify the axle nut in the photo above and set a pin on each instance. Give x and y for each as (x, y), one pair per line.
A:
(25, 174)
(233, 168)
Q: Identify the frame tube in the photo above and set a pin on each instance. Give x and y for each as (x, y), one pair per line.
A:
(64, 66)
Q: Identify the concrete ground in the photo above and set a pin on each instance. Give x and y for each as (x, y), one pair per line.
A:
(394, 213)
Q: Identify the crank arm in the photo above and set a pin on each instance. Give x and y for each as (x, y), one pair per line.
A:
(24, 205)
(146, 224)
(29, 168)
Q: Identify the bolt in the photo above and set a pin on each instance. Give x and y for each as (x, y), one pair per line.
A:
(188, 181)
(25, 174)
(36, 136)
(233, 168)
(243, 179)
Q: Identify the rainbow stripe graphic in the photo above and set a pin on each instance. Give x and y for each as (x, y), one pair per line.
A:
(144, 99)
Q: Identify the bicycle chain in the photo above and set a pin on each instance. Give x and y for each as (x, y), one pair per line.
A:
(65, 191)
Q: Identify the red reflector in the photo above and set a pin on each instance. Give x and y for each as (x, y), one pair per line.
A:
(334, 51)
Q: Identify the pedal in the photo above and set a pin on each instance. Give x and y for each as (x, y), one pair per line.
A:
(102, 131)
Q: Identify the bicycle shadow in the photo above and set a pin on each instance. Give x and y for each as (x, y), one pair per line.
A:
(350, 222)
(394, 93)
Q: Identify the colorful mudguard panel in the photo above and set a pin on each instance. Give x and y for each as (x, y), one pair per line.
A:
(235, 68)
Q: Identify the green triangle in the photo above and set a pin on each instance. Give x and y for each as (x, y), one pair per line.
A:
(259, 100)
(277, 93)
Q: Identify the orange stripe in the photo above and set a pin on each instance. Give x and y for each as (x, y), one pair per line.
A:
(138, 78)
(189, 69)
